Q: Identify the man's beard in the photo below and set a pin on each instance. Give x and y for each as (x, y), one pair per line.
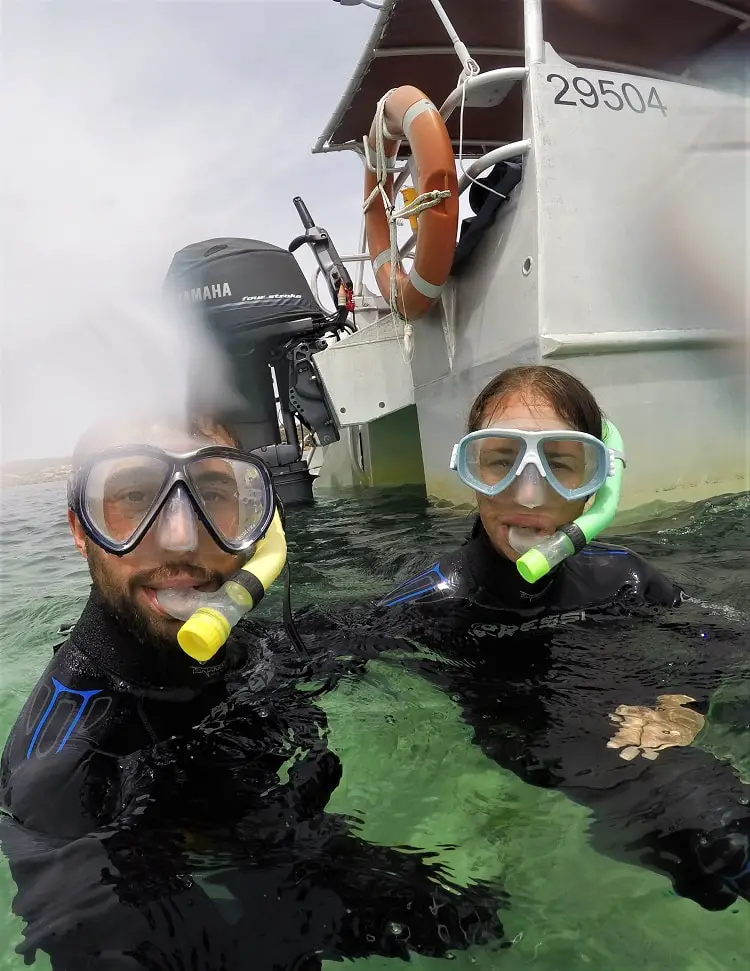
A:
(121, 604)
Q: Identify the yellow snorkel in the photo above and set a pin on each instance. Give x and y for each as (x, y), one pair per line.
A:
(570, 539)
(210, 617)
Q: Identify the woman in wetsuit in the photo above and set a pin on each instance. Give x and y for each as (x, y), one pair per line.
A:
(563, 651)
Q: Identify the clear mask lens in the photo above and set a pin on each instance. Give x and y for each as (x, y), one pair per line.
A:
(494, 460)
(121, 493)
(564, 464)
(570, 464)
(232, 495)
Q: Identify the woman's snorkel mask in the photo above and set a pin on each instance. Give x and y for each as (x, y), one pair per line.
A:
(122, 493)
(574, 464)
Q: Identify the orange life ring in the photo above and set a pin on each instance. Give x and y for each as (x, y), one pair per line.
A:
(409, 113)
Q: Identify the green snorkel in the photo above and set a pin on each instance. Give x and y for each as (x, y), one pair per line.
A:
(570, 539)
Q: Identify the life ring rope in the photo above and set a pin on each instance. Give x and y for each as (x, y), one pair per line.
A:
(415, 293)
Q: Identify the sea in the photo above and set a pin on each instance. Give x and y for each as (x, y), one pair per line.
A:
(411, 770)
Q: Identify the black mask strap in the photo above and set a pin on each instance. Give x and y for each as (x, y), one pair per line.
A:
(289, 626)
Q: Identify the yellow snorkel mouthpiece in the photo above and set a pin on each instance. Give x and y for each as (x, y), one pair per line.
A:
(210, 617)
(205, 631)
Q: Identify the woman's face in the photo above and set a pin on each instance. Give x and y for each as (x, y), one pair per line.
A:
(499, 514)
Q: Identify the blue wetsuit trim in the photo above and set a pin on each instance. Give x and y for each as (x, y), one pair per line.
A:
(60, 689)
(413, 594)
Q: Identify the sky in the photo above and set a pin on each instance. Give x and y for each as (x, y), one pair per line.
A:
(130, 130)
(133, 128)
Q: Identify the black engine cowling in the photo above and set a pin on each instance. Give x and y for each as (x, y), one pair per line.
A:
(253, 299)
(248, 291)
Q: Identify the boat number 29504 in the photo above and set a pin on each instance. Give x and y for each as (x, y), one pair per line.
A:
(616, 97)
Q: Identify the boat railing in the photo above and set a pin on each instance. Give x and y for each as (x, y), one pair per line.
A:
(472, 172)
(502, 154)
(499, 81)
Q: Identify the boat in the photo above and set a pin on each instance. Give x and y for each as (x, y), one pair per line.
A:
(601, 162)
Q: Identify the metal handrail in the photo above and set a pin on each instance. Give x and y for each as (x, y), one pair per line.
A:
(511, 150)
(533, 32)
(479, 165)
(580, 60)
(479, 81)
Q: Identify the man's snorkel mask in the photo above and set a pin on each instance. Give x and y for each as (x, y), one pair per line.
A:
(574, 464)
(120, 494)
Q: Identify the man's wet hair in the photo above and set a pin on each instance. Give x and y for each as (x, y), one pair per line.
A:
(99, 435)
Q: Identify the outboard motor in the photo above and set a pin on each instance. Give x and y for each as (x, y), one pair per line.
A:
(256, 304)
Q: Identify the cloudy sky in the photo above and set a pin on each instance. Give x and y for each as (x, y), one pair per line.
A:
(130, 130)
(133, 128)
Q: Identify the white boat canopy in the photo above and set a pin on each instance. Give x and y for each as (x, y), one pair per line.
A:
(409, 45)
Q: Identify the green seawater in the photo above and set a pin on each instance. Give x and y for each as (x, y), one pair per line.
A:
(410, 769)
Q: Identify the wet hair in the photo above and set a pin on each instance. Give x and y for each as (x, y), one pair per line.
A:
(99, 435)
(210, 427)
(570, 398)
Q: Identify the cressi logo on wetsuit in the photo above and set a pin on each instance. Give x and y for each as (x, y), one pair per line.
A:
(435, 584)
(542, 623)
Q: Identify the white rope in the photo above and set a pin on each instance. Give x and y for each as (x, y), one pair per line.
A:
(424, 201)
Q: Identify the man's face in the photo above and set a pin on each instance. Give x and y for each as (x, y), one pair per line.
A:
(128, 583)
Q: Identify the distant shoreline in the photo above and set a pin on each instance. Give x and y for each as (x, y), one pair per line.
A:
(33, 471)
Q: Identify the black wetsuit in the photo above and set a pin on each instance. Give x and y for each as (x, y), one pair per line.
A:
(539, 669)
(147, 827)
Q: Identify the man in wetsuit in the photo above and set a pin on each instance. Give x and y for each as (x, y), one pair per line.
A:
(145, 820)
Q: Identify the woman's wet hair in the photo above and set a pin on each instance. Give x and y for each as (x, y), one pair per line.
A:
(570, 398)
